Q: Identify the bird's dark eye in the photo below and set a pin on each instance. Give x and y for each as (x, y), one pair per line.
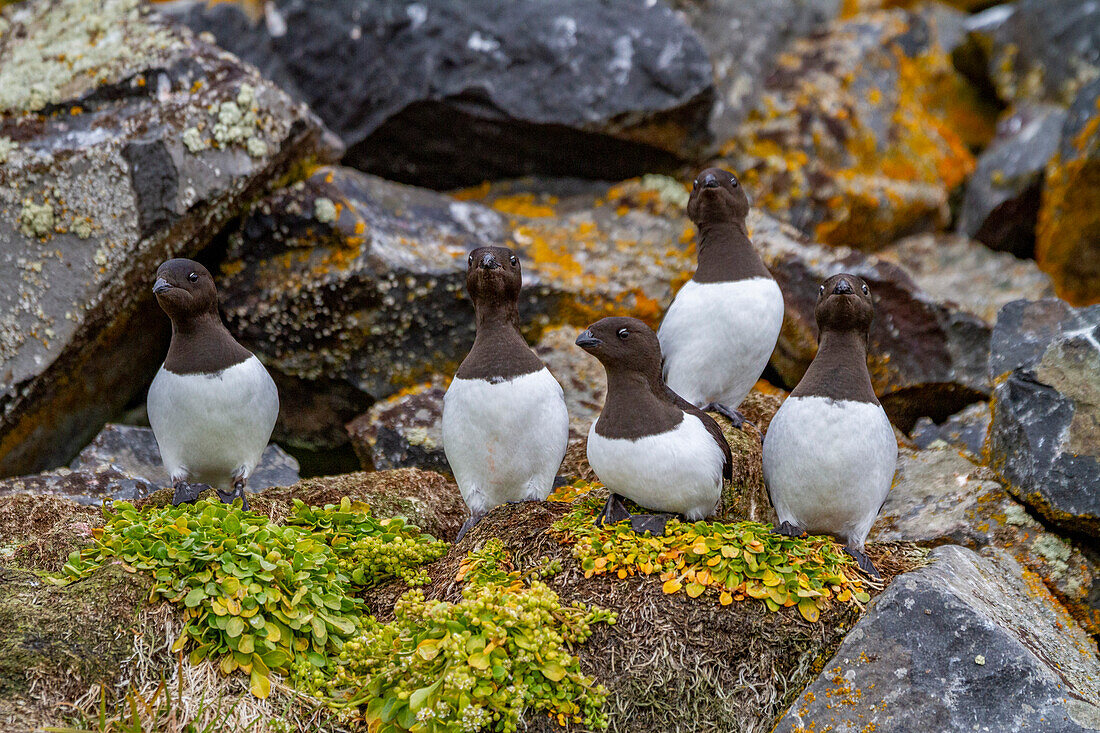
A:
(623, 333)
(821, 290)
(733, 181)
(865, 290)
(514, 260)
(695, 183)
(470, 259)
(193, 277)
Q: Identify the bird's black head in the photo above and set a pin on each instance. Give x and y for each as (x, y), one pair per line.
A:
(623, 344)
(493, 276)
(185, 289)
(844, 304)
(717, 196)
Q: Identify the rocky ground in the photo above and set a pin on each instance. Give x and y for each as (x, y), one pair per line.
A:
(333, 162)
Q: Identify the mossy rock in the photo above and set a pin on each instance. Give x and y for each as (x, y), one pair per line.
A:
(58, 641)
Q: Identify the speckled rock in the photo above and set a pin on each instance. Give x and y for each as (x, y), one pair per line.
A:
(927, 356)
(1001, 206)
(744, 39)
(567, 87)
(862, 131)
(130, 142)
(85, 486)
(954, 269)
(1044, 440)
(966, 429)
(967, 643)
(1068, 239)
(940, 496)
(402, 431)
(1040, 50)
(133, 451)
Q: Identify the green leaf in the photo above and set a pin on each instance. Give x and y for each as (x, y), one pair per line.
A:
(194, 597)
(234, 627)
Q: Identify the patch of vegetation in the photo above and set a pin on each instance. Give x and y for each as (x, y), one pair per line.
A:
(475, 664)
(735, 561)
(260, 596)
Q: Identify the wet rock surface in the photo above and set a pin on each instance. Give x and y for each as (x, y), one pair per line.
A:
(977, 626)
(117, 155)
(1001, 206)
(1043, 439)
(133, 450)
(564, 87)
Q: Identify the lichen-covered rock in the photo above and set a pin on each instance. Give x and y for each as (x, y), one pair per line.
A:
(1068, 239)
(451, 93)
(403, 431)
(862, 131)
(129, 142)
(956, 270)
(927, 356)
(966, 643)
(133, 451)
(966, 429)
(940, 497)
(86, 486)
(1044, 439)
(1001, 206)
(1039, 50)
(743, 39)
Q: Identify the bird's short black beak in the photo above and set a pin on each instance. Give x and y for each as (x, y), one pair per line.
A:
(843, 287)
(161, 285)
(587, 341)
(488, 262)
(710, 181)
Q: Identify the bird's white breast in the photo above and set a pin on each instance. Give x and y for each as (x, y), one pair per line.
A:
(505, 440)
(829, 464)
(212, 426)
(717, 338)
(676, 471)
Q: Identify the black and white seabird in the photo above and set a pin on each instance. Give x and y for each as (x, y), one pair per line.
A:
(830, 453)
(212, 405)
(722, 326)
(649, 444)
(505, 424)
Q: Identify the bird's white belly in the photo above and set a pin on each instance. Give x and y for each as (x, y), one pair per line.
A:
(717, 338)
(211, 428)
(505, 441)
(829, 464)
(678, 471)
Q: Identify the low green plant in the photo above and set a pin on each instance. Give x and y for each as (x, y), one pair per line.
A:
(261, 596)
(475, 664)
(734, 561)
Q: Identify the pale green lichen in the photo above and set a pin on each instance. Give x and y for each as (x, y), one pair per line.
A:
(237, 123)
(193, 139)
(1017, 516)
(324, 210)
(256, 147)
(6, 146)
(669, 189)
(36, 220)
(1052, 548)
(72, 47)
(82, 228)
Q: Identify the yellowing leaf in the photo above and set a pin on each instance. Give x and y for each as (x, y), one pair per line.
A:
(671, 586)
(479, 660)
(260, 684)
(553, 671)
(694, 590)
(725, 598)
(428, 649)
(808, 609)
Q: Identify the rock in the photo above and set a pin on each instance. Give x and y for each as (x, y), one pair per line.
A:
(862, 131)
(1039, 50)
(121, 149)
(563, 87)
(965, 429)
(1043, 441)
(959, 271)
(1001, 206)
(939, 496)
(927, 357)
(90, 486)
(405, 430)
(134, 451)
(743, 40)
(978, 627)
(1068, 238)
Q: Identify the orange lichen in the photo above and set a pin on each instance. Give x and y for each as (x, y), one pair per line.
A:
(1067, 243)
(524, 204)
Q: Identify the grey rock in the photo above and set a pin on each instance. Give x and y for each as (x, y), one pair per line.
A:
(965, 429)
(87, 486)
(133, 451)
(1044, 440)
(449, 93)
(964, 644)
(1001, 206)
(954, 269)
(403, 431)
(108, 174)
